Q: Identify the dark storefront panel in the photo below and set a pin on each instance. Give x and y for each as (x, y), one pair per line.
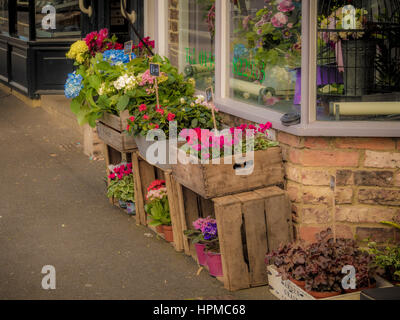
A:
(32, 60)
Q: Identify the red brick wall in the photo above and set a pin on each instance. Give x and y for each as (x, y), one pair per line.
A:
(365, 173)
(349, 184)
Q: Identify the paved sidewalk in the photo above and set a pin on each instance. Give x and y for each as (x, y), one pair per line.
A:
(53, 211)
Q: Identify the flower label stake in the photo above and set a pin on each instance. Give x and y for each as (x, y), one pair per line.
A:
(128, 49)
(155, 72)
(210, 101)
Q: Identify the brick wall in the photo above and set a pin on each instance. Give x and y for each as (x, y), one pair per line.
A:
(173, 23)
(348, 184)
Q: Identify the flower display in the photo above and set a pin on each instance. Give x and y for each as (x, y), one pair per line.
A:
(116, 56)
(79, 52)
(73, 85)
(100, 42)
(121, 184)
(207, 144)
(158, 206)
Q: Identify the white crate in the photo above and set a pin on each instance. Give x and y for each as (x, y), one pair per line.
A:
(287, 290)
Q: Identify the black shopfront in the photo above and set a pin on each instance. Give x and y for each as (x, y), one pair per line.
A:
(35, 35)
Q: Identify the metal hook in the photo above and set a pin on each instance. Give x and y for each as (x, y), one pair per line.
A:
(129, 16)
(88, 11)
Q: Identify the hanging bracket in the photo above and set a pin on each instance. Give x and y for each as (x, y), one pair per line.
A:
(129, 16)
(88, 11)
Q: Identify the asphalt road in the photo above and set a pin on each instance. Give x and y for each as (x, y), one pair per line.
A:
(53, 211)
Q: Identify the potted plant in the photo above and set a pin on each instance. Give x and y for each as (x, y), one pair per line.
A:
(205, 238)
(347, 31)
(205, 162)
(319, 265)
(158, 209)
(387, 257)
(196, 235)
(121, 186)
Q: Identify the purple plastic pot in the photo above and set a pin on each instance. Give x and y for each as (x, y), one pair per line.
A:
(201, 255)
(214, 264)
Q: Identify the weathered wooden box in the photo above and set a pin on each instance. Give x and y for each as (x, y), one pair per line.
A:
(249, 225)
(287, 290)
(216, 180)
(111, 130)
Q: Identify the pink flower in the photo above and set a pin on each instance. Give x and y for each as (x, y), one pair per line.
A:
(160, 111)
(142, 107)
(132, 119)
(271, 101)
(120, 176)
(146, 117)
(128, 127)
(286, 6)
(171, 116)
(279, 20)
(112, 176)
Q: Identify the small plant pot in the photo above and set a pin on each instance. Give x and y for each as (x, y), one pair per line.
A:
(214, 264)
(122, 204)
(159, 229)
(201, 255)
(168, 234)
(323, 295)
(131, 208)
(301, 284)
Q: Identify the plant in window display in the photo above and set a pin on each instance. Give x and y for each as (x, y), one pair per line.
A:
(267, 49)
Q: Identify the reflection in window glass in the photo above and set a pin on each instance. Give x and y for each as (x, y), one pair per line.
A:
(23, 20)
(67, 19)
(4, 17)
(192, 34)
(358, 60)
(265, 58)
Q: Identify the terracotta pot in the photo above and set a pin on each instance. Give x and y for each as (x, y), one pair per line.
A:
(214, 263)
(322, 295)
(168, 234)
(201, 255)
(298, 283)
(159, 229)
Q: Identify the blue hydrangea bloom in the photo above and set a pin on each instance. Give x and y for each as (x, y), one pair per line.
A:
(114, 56)
(73, 86)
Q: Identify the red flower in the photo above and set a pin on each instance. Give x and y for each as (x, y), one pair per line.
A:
(160, 111)
(132, 119)
(146, 117)
(171, 116)
(142, 107)
(128, 127)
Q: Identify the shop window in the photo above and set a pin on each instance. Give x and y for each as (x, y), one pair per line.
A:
(4, 17)
(57, 19)
(192, 40)
(265, 53)
(358, 60)
(23, 19)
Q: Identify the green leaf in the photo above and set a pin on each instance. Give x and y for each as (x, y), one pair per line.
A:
(195, 123)
(95, 81)
(75, 106)
(123, 102)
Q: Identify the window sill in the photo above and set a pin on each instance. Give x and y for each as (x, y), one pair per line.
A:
(317, 129)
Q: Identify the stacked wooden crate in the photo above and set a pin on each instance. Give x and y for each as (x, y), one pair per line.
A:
(253, 214)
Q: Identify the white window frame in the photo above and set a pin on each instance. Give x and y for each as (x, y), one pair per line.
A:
(309, 125)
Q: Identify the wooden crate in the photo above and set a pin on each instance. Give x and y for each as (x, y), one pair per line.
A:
(144, 175)
(287, 290)
(115, 157)
(111, 130)
(216, 180)
(249, 225)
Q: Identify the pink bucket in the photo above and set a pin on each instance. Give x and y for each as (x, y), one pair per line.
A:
(201, 255)
(214, 264)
